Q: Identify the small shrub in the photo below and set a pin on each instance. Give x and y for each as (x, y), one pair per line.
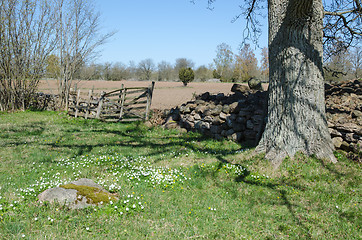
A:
(186, 75)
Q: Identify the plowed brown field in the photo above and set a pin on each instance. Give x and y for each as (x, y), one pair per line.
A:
(165, 96)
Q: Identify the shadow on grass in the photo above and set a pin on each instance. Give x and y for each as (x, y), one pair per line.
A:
(12, 136)
(330, 168)
(135, 136)
(30, 129)
(78, 137)
(278, 187)
(328, 171)
(285, 201)
(245, 178)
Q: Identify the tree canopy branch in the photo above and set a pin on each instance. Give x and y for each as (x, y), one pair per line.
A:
(345, 21)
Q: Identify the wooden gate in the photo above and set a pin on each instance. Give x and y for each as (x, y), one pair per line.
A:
(124, 104)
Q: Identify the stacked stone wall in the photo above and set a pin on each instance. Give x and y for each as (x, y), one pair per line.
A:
(238, 117)
(43, 101)
(344, 115)
(241, 116)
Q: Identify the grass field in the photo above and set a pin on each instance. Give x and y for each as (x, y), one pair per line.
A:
(171, 185)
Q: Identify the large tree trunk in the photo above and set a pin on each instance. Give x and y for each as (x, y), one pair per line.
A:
(296, 108)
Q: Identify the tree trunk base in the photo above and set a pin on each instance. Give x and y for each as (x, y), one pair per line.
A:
(276, 156)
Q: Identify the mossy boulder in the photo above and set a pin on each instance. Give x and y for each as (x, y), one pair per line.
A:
(79, 194)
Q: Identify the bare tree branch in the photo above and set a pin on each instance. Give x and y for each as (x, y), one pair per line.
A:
(345, 21)
(79, 35)
(342, 22)
(342, 25)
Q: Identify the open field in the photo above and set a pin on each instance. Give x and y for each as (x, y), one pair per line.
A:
(166, 94)
(172, 185)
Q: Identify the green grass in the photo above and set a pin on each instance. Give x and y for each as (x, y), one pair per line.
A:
(171, 185)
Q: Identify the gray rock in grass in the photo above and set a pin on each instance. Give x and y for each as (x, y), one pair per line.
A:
(78, 194)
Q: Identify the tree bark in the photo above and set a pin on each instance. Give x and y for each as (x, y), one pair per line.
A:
(296, 106)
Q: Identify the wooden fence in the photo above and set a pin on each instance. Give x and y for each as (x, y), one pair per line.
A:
(124, 104)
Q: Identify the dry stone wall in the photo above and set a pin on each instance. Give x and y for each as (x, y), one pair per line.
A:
(344, 115)
(240, 116)
(44, 101)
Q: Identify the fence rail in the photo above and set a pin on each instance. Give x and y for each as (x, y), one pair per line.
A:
(124, 104)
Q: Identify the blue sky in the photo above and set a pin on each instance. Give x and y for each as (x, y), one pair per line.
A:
(170, 29)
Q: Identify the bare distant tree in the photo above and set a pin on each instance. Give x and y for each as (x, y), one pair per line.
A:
(203, 73)
(356, 61)
(224, 61)
(132, 68)
(183, 63)
(246, 64)
(146, 68)
(165, 70)
(90, 72)
(265, 63)
(338, 67)
(119, 71)
(27, 37)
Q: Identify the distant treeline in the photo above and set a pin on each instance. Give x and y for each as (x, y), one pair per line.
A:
(226, 66)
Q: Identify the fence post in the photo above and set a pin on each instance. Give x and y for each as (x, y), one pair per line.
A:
(87, 110)
(66, 101)
(149, 99)
(77, 104)
(123, 97)
(67, 105)
(100, 105)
